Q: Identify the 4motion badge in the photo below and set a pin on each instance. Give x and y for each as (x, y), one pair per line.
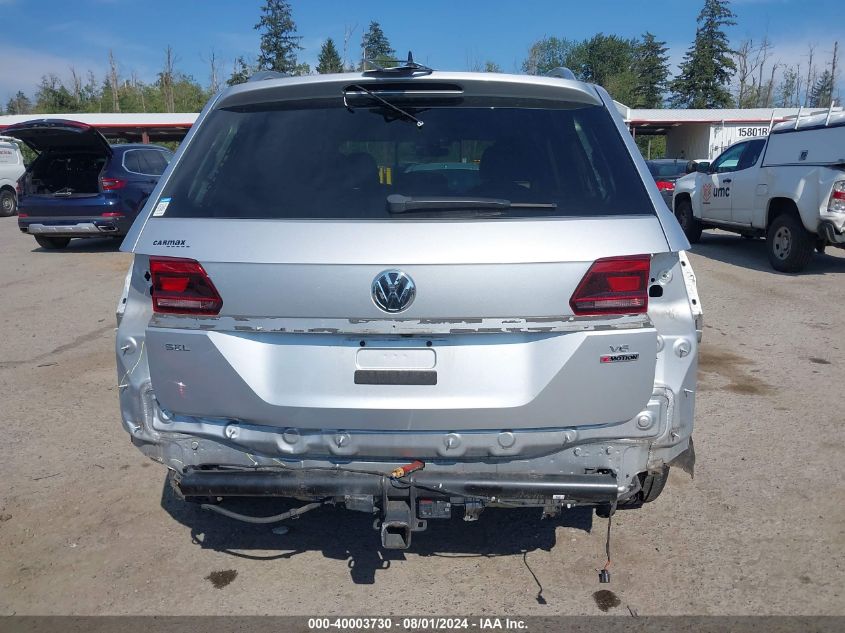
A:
(619, 354)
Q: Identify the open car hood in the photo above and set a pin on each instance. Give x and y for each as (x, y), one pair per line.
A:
(59, 135)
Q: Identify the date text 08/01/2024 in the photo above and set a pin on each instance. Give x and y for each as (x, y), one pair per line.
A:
(416, 623)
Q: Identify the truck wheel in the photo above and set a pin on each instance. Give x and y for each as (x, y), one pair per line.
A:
(789, 244)
(689, 223)
(52, 243)
(8, 203)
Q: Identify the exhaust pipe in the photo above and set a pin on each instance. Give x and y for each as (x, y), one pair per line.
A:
(396, 526)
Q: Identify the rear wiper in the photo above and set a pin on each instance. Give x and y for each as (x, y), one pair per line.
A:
(397, 203)
(384, 102)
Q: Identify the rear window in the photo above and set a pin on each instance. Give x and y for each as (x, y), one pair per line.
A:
(666, 170)
(337, 163)
(149, 162)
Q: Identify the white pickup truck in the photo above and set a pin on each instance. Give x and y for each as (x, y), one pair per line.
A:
(788, 187)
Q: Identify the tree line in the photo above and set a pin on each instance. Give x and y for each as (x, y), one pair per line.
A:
(635, 71)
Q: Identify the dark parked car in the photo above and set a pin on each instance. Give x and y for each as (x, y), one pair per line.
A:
(665, 172)
(80, 185)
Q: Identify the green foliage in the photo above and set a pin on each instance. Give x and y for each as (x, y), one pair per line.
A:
(787, 91)
(822, 91)
(188, 94)
(707, 68)
(487, 66)
(601, 57)
(279, 41)
(375, 47)
(52, 96)
(651, 68)
(634, 71)
(547, 54)
(606, 60)
(329, 60)
(19, 104)
(242, 70)
(652, 146)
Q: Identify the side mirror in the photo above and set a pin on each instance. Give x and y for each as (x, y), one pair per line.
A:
(703, 167)
(690, 167)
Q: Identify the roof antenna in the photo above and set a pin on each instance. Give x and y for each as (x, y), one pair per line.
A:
(408, 68)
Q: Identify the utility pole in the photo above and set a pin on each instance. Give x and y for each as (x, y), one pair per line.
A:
(833, 70)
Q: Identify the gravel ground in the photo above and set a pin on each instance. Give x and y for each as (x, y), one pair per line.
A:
(87, 525)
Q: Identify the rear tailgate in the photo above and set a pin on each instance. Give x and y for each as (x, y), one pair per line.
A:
(280, 194)
(491, 318)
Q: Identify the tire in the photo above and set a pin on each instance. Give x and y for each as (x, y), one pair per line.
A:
(52, 243)
(8, 203)
(789, 245)
(653, 484)
(690, 225)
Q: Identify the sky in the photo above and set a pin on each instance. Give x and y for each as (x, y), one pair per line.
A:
(43, 36)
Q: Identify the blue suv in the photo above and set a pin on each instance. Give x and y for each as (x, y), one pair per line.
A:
(80, 185)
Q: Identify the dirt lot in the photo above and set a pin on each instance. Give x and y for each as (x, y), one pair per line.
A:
(87, 525)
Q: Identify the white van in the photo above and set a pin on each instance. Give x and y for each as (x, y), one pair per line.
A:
(11, 168)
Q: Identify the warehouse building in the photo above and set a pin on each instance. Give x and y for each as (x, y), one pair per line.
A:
(703, 134)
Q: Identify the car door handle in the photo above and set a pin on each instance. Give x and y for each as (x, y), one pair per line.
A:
(726, 180)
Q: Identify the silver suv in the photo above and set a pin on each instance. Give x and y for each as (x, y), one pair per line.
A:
(411, 293)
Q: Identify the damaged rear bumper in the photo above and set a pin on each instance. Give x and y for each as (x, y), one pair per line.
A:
(586, 488)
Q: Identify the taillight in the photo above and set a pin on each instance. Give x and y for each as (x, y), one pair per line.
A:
(23, 215)
(111, 214)
(181, 286)
(110, 184)
(836, 204)
(614, 285)
(665, 185)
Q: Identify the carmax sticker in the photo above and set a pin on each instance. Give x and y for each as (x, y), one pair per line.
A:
(161, 207)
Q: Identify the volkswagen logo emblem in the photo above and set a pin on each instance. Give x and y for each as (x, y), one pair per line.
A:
(393, 291)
